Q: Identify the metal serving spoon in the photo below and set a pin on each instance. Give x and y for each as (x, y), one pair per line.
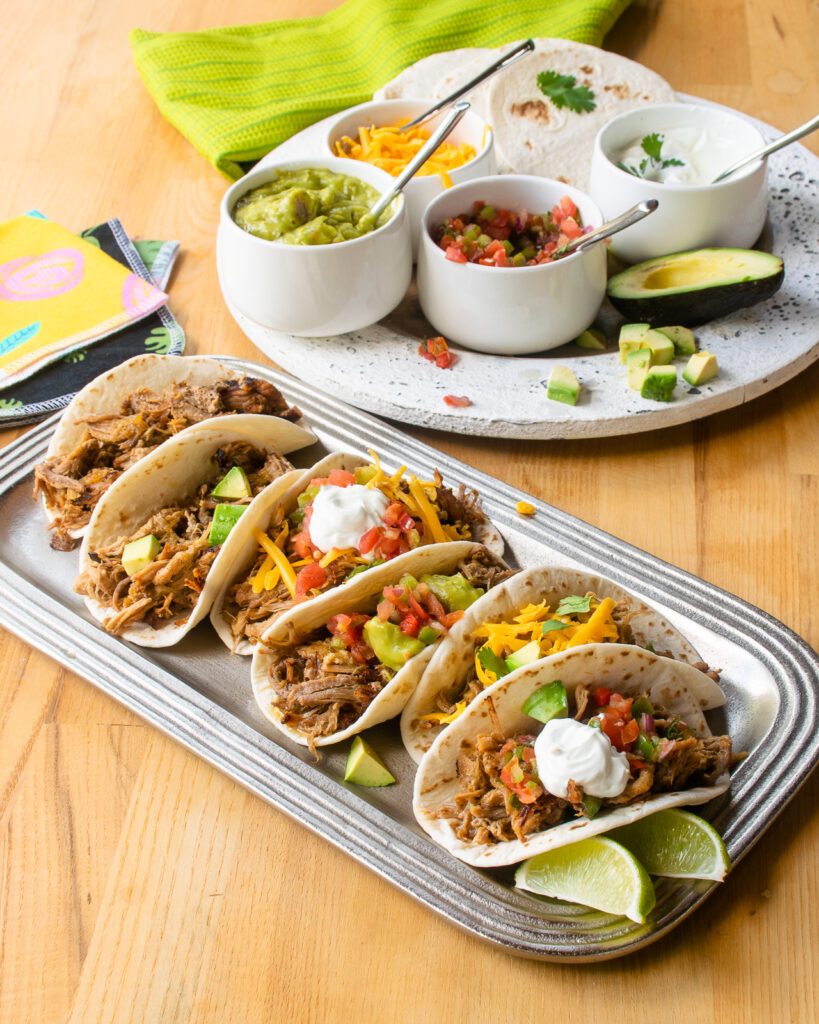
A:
(505, 61)
(421, 157)
(772, 147)
(625, 220)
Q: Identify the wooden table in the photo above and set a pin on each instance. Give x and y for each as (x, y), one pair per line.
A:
(140, 885)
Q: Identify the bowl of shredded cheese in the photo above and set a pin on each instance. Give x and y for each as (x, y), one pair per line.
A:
(370, 133)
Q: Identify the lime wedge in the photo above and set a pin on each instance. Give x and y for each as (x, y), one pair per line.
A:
(596, 872)
(677, 844)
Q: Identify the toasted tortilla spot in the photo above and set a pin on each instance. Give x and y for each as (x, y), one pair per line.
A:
(533, 110)
(620, 90)
(586, 69)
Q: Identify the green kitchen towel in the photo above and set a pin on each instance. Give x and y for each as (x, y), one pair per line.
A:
(237, 92)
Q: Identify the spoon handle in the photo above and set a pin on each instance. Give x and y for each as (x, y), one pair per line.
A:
(625, 220)
(421, 157)
(505, 61)
(772, 147)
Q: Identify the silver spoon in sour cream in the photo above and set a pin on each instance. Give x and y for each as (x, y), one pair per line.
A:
(772, 147)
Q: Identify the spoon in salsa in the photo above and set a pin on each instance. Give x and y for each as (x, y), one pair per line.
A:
(433, 142)
(611, 227)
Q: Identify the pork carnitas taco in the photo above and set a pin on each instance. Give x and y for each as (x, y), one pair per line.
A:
(536, 613)
(349, 659)
(569, 747)
(160, 538)
(122, 415)
(343, 518)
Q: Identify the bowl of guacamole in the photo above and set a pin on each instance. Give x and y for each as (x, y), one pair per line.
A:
(298, 250)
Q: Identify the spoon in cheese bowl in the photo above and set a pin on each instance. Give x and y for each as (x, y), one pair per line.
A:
(443, 130)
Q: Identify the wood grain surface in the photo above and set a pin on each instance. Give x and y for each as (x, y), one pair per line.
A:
(140, 885)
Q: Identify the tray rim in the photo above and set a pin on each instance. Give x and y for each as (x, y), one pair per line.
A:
(465, 897)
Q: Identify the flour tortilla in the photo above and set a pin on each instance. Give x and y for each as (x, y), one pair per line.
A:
(166, 477)
(437, 76)
(105, 394)
(454, 658)
(533, 137)
(247, 547)
(623, 668)
(359, 595)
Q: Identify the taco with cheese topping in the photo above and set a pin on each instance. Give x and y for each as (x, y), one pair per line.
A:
(344, 517)
(127, 412)
(350, 658)
(569, 747)
(536, 613)
(162, 536)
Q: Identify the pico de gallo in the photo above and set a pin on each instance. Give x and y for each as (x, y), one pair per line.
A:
(496, 237)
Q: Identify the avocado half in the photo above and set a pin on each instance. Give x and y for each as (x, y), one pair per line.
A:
(691, 288)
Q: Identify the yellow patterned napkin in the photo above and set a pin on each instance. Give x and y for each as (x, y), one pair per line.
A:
(59, 293)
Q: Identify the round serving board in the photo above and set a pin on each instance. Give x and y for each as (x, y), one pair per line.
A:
(379, 369)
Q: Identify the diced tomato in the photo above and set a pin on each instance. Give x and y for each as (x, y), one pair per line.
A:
(493, 247)
(338, 624)
(457, 401)
(419, 612)
(501, 259)
(398, 596)
(369, 540)
(520, 782)
(397, 515)
(340, 478)
(384, 610)
(434, 607)
(455, 254)
(361, 652)
(601, 696)
(568, 207)
(453, 617)
(311, 577)
(302, 544)
(389, 547)
(570, 228)
(631, 730)
(445, 360)
(410, 624)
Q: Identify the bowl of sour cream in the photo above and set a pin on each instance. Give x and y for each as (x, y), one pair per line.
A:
(672, 152)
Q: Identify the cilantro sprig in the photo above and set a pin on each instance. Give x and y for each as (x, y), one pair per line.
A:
(652, 146)
(564, 91)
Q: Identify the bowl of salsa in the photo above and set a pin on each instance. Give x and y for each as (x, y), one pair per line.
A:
(491, 272)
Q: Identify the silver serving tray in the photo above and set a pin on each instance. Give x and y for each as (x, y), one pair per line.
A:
(200, 695)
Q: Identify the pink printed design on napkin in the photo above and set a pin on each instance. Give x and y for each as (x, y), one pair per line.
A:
(33, 278)
(140, 296)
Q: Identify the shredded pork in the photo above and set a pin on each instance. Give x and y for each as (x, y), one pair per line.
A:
(73, 483)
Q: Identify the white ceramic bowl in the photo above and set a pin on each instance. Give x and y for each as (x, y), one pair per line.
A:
(421, 190)
(731, 213)
(510, 310)
(314, 290)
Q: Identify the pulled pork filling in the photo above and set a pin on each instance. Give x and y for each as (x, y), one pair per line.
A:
(501, 797)
(250, 609)
(73, 483)
(168, 588)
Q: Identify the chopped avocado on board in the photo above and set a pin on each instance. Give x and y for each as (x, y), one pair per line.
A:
(593, 338)
(234, 484)
(138, 554)
(563, 386)
(659, 383)
(690, 288)
(638, 363)
(685, 344)
(638, 336)
(365, 767)
(225, 517)
(701, 368)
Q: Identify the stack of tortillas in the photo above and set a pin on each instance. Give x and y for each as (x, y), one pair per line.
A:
(533, 136)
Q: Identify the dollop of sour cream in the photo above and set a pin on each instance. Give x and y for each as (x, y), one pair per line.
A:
(566, 749)
(703, 153)
(342, 515)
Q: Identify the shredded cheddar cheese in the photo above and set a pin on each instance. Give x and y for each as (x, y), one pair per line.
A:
(391, 149)
(279, 559)
(442, 717)
(525, 508)
(426, 511)
(335, 553)
(259, 580)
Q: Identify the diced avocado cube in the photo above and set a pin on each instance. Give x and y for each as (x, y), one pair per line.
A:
(592, 338)
(548, 702)
(139, 554)
(225, 517)
(638, 362)
(365, 767)
(660, 383)
(234, 484)
(637, 336)
(527, 654)
(363, 474)
(563, 386)
(685, 344)
(392, 647)
(701, 368)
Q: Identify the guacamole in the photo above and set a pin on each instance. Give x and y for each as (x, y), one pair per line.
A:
(309, 206)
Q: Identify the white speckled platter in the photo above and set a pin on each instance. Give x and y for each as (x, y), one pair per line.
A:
(379, 369)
